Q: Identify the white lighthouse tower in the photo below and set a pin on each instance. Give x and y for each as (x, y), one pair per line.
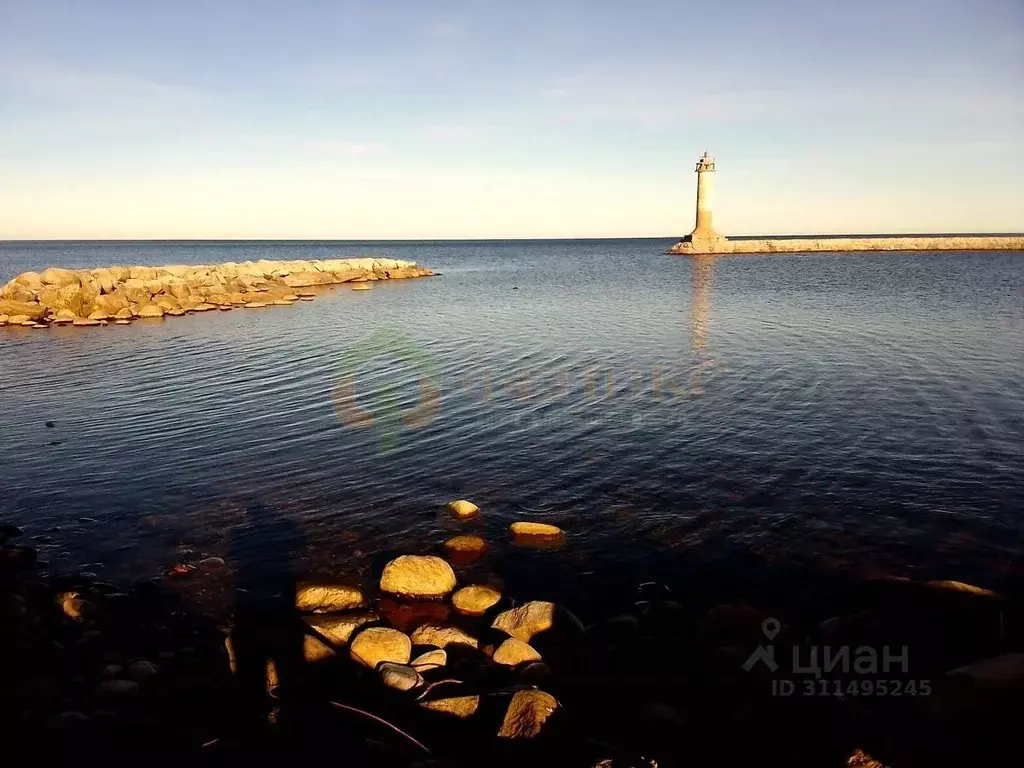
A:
(704, 238)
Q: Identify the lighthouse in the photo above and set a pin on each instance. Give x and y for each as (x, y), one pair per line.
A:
(704, 238)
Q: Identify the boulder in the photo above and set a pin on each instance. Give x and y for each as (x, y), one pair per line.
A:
(19, 319)
(29, 309)
(166, 303)
(150, 311)
(399, 273)
(106, 279)
(1006, 670)
(462, 509)
(143, 273)
(111, 303)
(306, 279)
(442, 636)
(3, 319)
(328, 598)
(535, 529)
(179, 289)
(962, 587)
(31, 280)
(75, 296)
(527, 620)
(475, 600)
(314, 649)
(99, 315)
(59, 277)
(418, 576)
(429, 661)
(401, 677)
(73, 606)
(16, 291)
(339, 629)
(527, 713)
(64, 316)
(136, 291)
(83, 322)
(514, 652)
(142, 671)
(375, 645)
(124, 314)
(456, 706)
(983, 692)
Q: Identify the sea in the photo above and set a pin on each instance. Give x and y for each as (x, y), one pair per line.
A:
(770, 427)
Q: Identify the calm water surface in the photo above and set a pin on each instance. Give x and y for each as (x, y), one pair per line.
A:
(737, 421)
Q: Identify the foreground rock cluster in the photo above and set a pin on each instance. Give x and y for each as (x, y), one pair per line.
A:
(424, 666)
(122, 294)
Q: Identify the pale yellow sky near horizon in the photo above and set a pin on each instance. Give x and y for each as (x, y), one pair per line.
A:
(415, 204)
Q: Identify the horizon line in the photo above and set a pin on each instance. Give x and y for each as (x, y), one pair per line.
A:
(763, 236)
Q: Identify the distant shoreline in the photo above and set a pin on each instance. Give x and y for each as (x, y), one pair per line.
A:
(427, 240)
(826, 244)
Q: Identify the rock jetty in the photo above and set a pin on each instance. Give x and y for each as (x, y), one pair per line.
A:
(686, 247)
(93, 297)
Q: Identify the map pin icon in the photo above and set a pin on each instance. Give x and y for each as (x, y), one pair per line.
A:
(771, 628)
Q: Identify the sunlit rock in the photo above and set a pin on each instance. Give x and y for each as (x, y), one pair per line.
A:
(514, 652)
(475, 600)
(378, 644)
(327, 598)
(401, 677)
(442, 637)
(527, 713)
(463, 509)
(535, 529)
(418, 576)
(431, 660)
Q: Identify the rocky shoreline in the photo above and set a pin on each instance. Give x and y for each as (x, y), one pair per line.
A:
(849, 244)
(120, 295)
(419, 666)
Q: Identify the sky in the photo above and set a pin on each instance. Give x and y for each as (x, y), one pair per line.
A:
(414, 119)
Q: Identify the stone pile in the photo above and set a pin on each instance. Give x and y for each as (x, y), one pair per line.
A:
(427, 655)
(122, 294)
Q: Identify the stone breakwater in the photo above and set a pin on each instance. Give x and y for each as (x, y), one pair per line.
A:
(851, 244)
(123, 294)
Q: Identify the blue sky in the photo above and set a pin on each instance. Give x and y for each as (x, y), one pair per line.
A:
(553, 118)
